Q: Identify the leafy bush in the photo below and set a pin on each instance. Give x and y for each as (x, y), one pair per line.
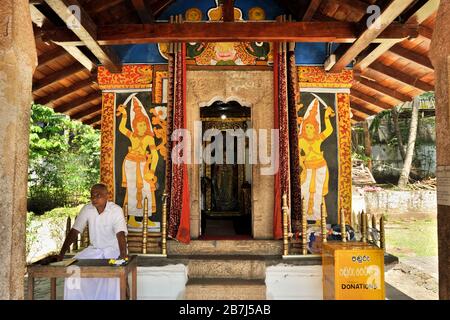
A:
(64, 161)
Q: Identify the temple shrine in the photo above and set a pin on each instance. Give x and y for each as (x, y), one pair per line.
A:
(226, 129)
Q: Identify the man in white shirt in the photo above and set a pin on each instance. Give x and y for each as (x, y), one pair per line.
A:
(107, 232)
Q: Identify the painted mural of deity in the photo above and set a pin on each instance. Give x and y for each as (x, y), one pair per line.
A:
(140, 162)
(314, 167)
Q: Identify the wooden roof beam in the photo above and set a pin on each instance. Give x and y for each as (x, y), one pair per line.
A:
(335, 31)
(49, 99)
(57, 76)
(311, 10)
(86, 31)
(369, 99)
(93, 120)
(98, 6)
(425, 32)
(159, 6)
(393, 10)
(363, 109)
(420, 11)
(92, 111)
(401, 77)
(51, 55)
(228, 10)
(381, 89)
(412, 56)
(78, 102)
(358, 116)
(144, 11)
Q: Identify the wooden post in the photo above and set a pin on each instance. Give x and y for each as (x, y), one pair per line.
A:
(343, 227)
(382, 235)
(164, 226)
(374, 229)
(145, 226)
(324, 223)
(363, 227)
(285, 210)
(304, 229)
(68, 227)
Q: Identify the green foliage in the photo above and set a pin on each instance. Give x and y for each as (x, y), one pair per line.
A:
(64, 160)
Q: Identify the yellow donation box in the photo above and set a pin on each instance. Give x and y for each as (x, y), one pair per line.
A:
(353, 271)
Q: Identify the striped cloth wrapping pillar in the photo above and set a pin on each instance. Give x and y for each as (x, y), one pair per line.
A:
(296, 206)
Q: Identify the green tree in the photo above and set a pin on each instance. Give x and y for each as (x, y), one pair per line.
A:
(64, 160)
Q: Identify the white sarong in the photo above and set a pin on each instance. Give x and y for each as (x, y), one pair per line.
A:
(76, 288)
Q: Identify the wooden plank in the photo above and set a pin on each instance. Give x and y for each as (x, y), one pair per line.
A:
(143, 11)
(51, 55)
(78, 102)
(98, 6)
(363, 109)
(90, 111)
(421, 11)
(93, 120)
(358, 116)
(412, 56)
(86, 31)
(334, 31)
(426, 32)
(401, 77)
(311, 10)
(369, 99)
(78, 55)
(373, 55)
(228, 10)
(66, 91)
(57, 76)
(395, 8)
(381, 89)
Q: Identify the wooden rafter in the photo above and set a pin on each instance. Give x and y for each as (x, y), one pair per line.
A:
(66, 91)
(360, 108)
(86, 31)
(395, 8)
(229, 31)
(412, 56)
(358, 116)
(311, 10)
(369, 99)
(401, 77)
(416, 14)
(84, 113)
(381, 89)
(144, 11)
(228, 10)
(51, 55)
(158, 6)
(93, 120)
(78, 102)
(98, 6)
(57, 76)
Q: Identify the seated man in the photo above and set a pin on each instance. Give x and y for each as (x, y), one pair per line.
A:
(107, 231)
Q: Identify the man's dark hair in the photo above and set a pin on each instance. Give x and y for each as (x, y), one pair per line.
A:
(100, 186)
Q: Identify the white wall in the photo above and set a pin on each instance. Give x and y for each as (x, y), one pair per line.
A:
(288, 282)
(161, 283)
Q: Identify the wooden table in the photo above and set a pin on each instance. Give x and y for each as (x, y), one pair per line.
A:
(88, 268)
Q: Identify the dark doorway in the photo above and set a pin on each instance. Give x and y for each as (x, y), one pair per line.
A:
(226, 182)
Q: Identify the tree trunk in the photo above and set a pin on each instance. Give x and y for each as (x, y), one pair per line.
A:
(367, 145)
(404, 177)
(398, 134)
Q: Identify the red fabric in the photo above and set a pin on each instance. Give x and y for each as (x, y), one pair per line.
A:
(183, 234)
(277, 214)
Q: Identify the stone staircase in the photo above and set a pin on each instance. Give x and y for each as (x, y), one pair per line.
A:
(226, 269)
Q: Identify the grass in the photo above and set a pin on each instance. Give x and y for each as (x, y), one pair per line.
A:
(411, 237)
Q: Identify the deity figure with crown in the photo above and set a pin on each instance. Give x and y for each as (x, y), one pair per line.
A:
(314, 169)
(139, 165)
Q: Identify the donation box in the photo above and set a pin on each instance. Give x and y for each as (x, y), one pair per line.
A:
(352, 271)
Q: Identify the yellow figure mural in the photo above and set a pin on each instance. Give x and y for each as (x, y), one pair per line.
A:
(139, 165)
(314, 174)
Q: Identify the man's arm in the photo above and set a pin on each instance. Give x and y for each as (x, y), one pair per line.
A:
(71, 238)
(122, 244)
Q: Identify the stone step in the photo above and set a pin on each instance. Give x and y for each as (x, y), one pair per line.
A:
(225, 289)
(226, 247)
(237, 267)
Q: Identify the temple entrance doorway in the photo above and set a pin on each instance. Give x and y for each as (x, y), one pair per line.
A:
(225, 173)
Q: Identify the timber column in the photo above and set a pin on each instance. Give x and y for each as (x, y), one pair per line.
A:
(17, 63)
(440, 56)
